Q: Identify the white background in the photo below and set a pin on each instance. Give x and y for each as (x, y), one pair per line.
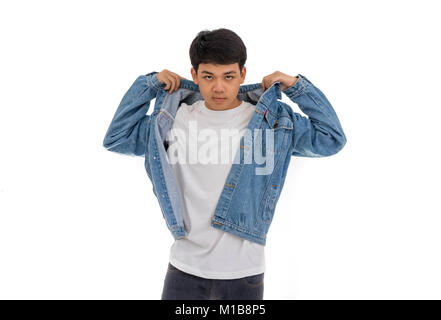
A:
(80, 222)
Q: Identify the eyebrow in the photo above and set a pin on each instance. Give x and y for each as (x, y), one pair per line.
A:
(232, 71)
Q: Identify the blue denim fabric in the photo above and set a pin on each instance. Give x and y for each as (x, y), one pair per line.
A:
(179, 285)
(247, 203)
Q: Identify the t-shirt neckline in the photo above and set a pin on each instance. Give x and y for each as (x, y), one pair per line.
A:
(222, 113)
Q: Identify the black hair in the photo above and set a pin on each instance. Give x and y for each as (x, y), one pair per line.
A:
(220, 46)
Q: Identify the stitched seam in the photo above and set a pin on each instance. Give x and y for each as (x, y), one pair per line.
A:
(239, 228)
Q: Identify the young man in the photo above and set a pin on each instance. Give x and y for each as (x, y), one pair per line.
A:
(218, 201)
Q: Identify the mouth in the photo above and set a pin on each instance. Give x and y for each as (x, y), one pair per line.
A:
(218, 99)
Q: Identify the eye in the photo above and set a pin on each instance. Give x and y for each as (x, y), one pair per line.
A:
(231, 77)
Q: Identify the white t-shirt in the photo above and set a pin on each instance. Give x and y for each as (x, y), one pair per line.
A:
(201, 169)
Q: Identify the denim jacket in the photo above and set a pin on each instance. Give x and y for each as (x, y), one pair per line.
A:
(247, 202)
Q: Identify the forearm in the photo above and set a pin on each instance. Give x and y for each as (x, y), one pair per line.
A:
(320, 134)
(126, 132)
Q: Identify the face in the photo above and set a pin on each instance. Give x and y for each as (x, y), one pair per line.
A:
(219, 81)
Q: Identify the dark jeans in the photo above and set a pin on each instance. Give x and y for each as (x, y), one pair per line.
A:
(179, 285)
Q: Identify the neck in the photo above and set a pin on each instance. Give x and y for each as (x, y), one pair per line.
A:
(235, 104)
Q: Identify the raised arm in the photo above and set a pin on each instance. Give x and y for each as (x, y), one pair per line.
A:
(127, 132)
(320, 134)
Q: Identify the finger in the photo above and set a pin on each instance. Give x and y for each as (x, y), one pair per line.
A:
(269, 82)
(263, 84)
(178, 82)
(175, 78)
(170, 83)
(175, 82)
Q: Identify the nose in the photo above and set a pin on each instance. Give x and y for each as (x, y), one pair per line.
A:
(218, 87)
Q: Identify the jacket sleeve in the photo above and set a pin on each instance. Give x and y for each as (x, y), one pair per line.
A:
(127, 132)
(320, 134)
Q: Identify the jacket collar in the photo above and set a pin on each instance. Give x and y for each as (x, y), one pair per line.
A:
(253, 91)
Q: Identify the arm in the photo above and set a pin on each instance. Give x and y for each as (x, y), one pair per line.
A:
(320, 134)
(127, 132)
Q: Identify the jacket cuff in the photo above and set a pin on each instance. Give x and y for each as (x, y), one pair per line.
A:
(298, 88)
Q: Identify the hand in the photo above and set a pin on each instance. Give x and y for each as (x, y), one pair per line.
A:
(170, 79)
(285, 80)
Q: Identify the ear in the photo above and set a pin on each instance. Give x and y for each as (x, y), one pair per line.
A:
(194, 75)
(244, 72)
